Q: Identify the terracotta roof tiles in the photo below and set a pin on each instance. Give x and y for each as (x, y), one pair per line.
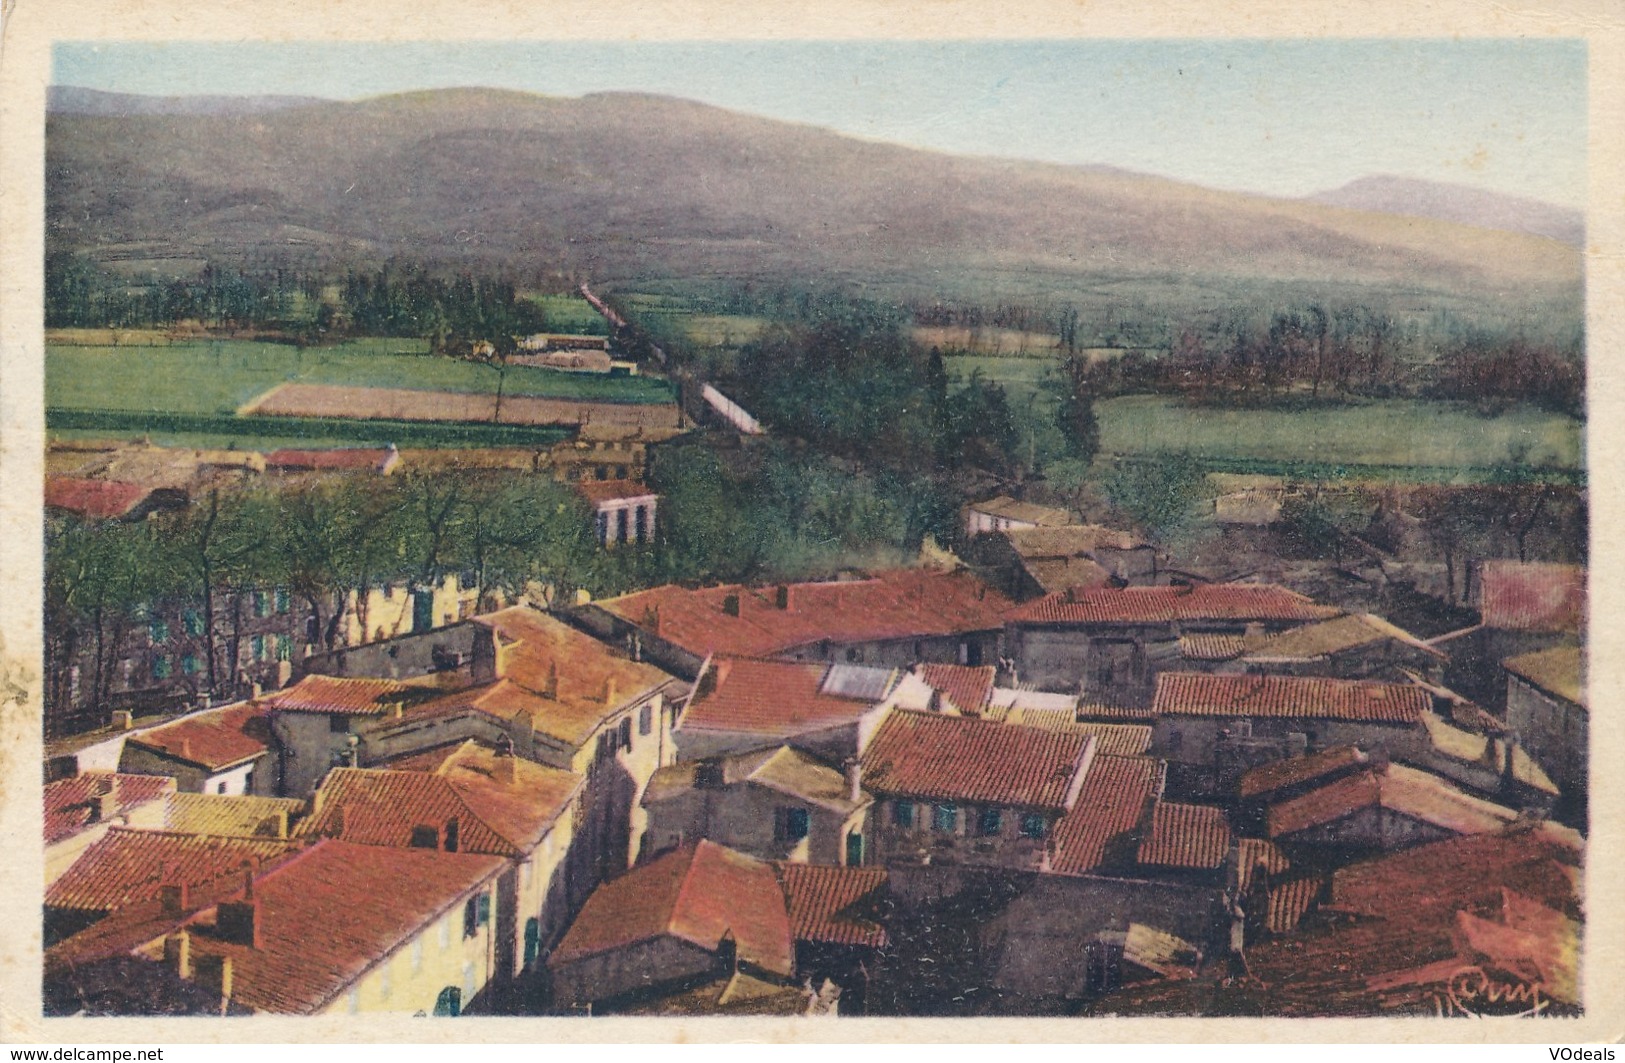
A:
(233, 816)
(1195, 837)
(598, 492)
(900, 604)
(1294, 771)
(967, 687)
(214, 738)
(960, 758)
(1165, 605)
(1532, 596)
(1110, 805)
(126, 866)
(1416, 794)
(98, 499)
(779, 699)
(71, 804)
(1293, 697)
(331, 694)
(698, 893)
(834, 905)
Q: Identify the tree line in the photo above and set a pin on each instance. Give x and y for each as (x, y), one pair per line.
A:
(452, 312)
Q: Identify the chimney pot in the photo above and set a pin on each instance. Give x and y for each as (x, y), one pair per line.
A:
(854, 780)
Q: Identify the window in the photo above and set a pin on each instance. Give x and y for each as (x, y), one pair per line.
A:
(854, 850)
(484, 906)
(945, 818)
(158, 630)
(248, 782)
(620, 526)
(257, 647)
(262, 604)
(220, 788)
(160, 666)
(450, 1002)
(641, 525)
(284, 649)
(854, 655)
(646, 719)
(192, 621)
(188, 664)
(1034, 825)
(990, 821)
(471, 917)
(792, 824)
(533, 940)
(281, 599)
(425, 836)
(625, 731)
(902, 813)
(603, 528)
(338, 723)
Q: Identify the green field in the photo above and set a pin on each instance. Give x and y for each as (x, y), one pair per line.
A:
(572, 314)
(215, 377)
(1408, 433)
(187, 393)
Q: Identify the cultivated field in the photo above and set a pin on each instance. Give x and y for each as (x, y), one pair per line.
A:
(189, 393)
(572, 314)
(1404, 433)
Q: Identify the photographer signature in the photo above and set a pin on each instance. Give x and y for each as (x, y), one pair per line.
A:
(1470, 991)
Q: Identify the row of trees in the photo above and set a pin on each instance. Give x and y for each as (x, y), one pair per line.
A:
(318, 541)
(400, 300)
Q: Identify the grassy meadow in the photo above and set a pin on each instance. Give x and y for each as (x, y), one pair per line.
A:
(188, 393)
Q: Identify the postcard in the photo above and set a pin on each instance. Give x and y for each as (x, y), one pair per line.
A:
(889, 522)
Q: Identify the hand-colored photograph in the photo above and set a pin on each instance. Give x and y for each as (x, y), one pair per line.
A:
(815, 528)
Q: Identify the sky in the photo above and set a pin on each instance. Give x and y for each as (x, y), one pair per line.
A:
(1280, 117)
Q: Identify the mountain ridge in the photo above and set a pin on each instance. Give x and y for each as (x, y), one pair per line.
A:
(626, 186)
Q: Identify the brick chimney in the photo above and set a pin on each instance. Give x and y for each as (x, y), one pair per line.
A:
(502, 765)
(178, 954)
(550, 688)
(239, 921)
(609, 691)
(854, 780)
(123, 719)
(104, 806)
(175, 897)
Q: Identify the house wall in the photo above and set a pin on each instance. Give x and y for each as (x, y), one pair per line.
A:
(745, 817)
(638, 968)
(256, 776)
(401, 658)
(1204, 760)
(1380, 660)
(891, 843)
(607, 627)
(543, 892)
(613, 822)
(410, 979)
(1553, 731)
(971, 647)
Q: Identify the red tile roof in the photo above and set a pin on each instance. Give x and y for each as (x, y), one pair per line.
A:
(543, 650)
(1185, 836)
(698, 893)
(961, 758)
(214, 739)
(774, 698)
(70, 804)
(383, 807)
(1293, 697)
(1212, 647)
(330, 694)
(1165, 605)
(1251, 853)
(100, 499)
(337, 458)
(1109, 806)
(1294, 771)
(1415, 794)
(329, 914)
(1459, 872)
(597, 492)
(1117, 713)
(834, 905)
(968, 688)
(1532, 596)
(126, 866)
(900, 604)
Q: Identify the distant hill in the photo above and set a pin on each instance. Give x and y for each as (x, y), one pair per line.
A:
(72, 99)
(1459, 203)
(627, 187)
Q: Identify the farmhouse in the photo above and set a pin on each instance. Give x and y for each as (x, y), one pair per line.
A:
(623, 511)
(1004, 513)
